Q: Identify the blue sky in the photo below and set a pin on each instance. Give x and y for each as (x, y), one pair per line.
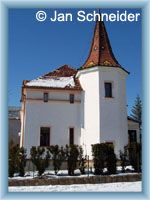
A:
(36, 48)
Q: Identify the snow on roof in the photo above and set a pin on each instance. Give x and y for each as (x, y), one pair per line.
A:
(56, 82)
(61, 78)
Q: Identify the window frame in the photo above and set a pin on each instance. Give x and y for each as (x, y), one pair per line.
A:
(71, 98)
(111, 89)
(46, 143)
(71, 137)
(45, 97)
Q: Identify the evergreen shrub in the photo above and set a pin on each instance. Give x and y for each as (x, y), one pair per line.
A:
(72, 153)
(40, 158)
(13, 159)
(104, 156)
(82, 161)
(58, 156)
(134, 150)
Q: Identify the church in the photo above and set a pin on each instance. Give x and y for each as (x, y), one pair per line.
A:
(81, 106)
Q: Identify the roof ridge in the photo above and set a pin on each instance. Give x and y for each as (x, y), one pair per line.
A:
(63, 71)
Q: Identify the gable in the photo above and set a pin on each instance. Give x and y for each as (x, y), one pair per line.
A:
(61, 78)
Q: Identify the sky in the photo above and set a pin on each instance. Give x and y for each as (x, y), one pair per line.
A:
(36, 48)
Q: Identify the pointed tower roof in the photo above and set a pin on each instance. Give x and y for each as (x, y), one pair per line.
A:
(101, 52)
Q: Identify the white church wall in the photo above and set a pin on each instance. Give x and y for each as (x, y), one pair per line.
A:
(90, 133)
(105, 119)
(94, 118)
(59, 116)
(53, 94)
(113, 111)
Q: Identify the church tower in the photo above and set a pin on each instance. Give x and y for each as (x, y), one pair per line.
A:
(104, 113)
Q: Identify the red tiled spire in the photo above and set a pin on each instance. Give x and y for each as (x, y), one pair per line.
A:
(101, 52)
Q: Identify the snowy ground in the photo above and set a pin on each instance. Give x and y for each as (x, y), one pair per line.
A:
(107, 187)
(64, 173)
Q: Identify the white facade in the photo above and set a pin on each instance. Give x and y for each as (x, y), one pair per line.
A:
(57, 114)
(105, 119)
(94, 117)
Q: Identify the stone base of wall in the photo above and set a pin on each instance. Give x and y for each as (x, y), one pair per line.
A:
(75, 180)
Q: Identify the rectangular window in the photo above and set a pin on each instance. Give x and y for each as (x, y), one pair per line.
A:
(45, 97)
(108, 89)
(71, 98)
(132, 136)
(45, 136)
(71, 136)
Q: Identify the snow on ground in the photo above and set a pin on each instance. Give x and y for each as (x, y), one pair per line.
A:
(60, 82)
(64, 173)
(107, 187)
(49, 174)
